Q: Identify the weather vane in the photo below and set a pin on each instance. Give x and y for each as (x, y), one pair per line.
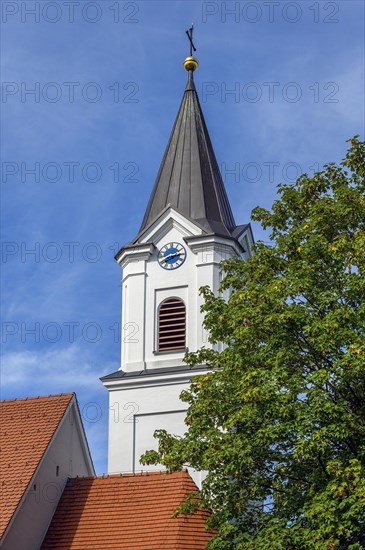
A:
(191, 63)
(190, 36)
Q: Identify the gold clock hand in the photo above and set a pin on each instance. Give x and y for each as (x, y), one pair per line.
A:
(171, 255)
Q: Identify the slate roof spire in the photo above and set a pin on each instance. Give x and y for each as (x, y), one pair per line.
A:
(189, 178)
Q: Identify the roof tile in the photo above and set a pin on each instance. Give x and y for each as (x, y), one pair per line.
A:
(127, 512)
(26, 429)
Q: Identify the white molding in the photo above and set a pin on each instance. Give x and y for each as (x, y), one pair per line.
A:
(154, 380)
(169, 219)
(214, 243)
(135, 253)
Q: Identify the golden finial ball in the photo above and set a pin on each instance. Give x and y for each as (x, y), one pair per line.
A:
(191, 63)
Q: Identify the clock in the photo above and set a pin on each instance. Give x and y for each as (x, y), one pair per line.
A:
(171, 256)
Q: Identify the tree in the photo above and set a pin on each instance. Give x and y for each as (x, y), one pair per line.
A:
(279, 422)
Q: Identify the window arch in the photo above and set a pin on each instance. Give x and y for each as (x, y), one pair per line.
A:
(171, 332)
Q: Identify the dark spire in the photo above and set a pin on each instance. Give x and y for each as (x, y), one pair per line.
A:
(189, 178)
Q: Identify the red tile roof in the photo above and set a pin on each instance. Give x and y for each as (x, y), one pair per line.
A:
(127, 512)
(26, 429)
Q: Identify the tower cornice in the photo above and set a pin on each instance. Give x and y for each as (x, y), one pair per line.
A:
(121, 380)
(134, 253)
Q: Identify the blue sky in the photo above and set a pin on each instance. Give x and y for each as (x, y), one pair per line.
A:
(108, 81)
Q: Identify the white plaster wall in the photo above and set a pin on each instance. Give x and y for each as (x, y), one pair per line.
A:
(140, 305)
(35, 513)
(137, 409)
(130, 433)
(144, 282)
(146, 424)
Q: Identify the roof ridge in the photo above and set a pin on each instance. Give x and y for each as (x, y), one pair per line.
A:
(35, 397)
(145, 473)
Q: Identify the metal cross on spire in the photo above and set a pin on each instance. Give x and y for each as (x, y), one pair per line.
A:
(189, 32)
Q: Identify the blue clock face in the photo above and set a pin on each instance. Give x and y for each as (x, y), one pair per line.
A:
(171, 256)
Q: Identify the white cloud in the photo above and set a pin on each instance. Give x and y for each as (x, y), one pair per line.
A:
(58, 370)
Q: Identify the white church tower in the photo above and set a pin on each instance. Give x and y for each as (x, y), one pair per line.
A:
(187, 230)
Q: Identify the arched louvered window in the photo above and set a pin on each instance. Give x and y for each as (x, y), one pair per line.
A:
(171, 325)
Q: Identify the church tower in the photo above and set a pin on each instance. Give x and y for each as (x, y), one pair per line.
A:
(187, 230)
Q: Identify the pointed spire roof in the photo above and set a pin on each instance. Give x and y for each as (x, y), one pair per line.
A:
(189, 178)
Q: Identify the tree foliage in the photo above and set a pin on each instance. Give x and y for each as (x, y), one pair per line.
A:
(279, 422)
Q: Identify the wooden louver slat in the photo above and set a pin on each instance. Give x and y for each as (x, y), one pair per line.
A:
(171, 325)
